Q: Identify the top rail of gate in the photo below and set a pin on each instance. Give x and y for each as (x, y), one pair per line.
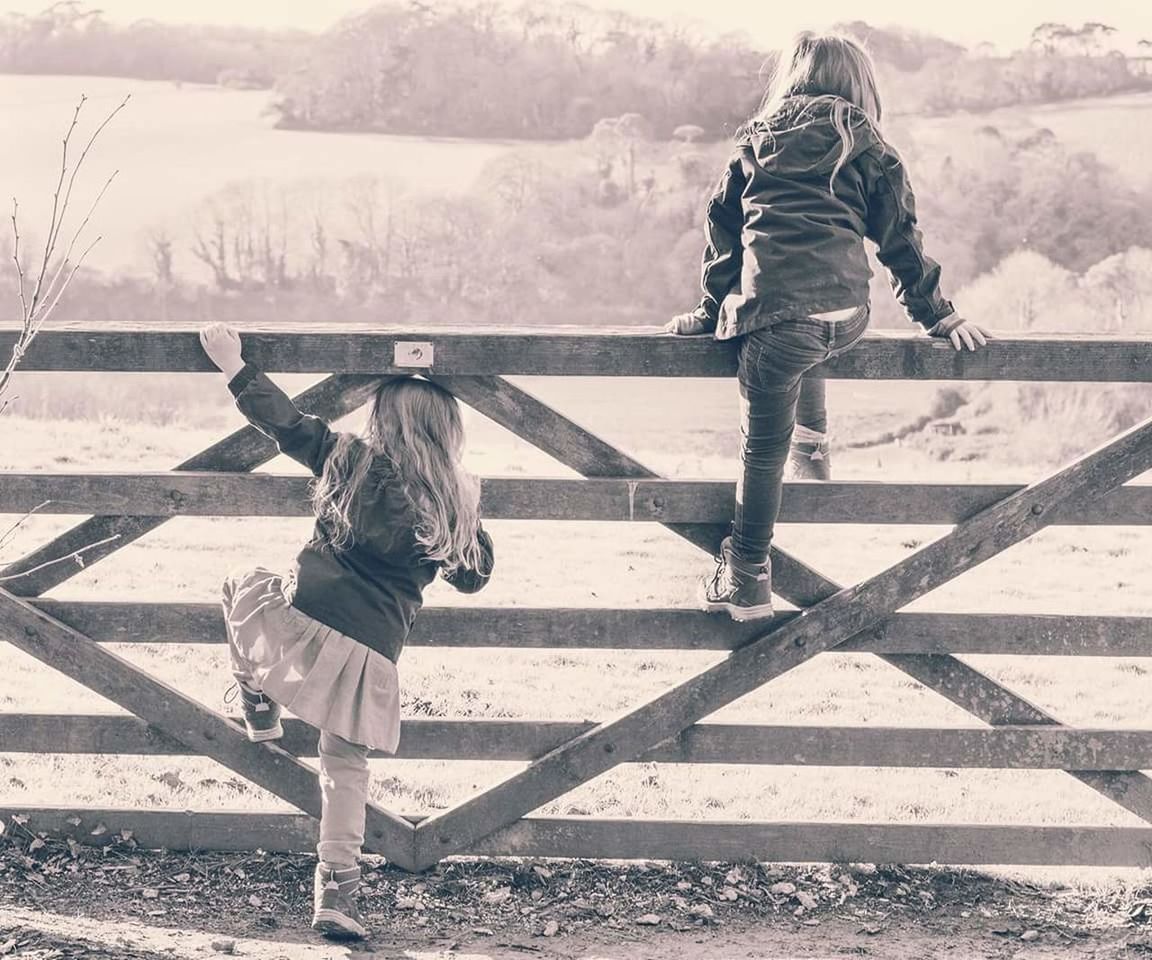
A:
(575, 352)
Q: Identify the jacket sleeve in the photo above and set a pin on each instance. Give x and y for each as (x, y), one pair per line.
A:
(723, 251)
(306, 439)
(467, 580)
(891, 224)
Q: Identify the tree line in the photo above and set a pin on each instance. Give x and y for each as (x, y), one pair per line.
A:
(542, 71)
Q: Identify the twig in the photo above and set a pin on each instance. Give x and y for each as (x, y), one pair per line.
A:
(16, 258)
(7, 535)
(75, 237)
(59, 223)
(54, 223)
(34, 311)
(68, 280)
(76, 555)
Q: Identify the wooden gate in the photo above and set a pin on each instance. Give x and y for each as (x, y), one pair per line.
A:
(987, 519)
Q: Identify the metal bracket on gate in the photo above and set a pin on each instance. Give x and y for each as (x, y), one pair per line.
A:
(412, 353)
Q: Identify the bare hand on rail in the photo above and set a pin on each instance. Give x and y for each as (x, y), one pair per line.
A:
(687, 325)
(222, 344)
(962, 333)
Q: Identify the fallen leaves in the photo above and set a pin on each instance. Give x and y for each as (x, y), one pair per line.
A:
(255, 891)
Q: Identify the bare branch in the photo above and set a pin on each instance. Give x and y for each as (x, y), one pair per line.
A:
(77, 556)
(44, 299)
(47, 312)
(54, 222)
(7, 535)
(76, 236)
(59, 210)
(16, 258)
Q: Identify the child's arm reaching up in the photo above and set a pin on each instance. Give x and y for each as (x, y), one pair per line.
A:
(723, 253)
(304, 438)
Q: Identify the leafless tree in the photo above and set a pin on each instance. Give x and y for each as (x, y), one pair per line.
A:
(41, 287)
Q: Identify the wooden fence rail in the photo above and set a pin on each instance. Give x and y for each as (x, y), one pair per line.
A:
(207, 494)
(73, 636)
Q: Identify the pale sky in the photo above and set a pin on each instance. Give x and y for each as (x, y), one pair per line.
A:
(1007, 24)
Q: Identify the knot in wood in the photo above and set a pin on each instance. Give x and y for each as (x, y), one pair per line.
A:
(178, 499)
(31, 633)
(801, 641)
(1037, 509)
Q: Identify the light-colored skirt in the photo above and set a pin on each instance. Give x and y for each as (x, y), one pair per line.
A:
(321, 675)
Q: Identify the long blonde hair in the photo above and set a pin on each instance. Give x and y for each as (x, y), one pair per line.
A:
(415, 427)
(832, 69)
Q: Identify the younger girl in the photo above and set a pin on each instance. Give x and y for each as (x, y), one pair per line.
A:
(392, 508)
(786, 276)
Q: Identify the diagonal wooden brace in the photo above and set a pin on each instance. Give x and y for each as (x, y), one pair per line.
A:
(203, 730)
(797, 582)
(246, 449)
(821, 627)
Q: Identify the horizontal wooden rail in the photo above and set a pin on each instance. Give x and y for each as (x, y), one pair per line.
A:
(646, 629)
(588, 352)
(169, 494)
(1007, 747)
(637, 839)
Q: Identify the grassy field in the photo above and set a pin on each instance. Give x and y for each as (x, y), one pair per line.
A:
(689, 432)
(175, 146)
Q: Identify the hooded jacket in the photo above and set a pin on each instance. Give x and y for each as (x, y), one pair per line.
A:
(781, 244)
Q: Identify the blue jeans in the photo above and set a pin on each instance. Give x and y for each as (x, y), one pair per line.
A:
(773, 363)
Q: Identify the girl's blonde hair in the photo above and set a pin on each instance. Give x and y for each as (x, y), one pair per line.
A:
(415, 427)
(832, 69)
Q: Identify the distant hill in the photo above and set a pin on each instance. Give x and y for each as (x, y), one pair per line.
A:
(545, 72)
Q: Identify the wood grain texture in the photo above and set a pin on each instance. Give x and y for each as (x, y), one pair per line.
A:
(803, 585)
(819, 628)
(634, 839)
(710, 502)
(1023, 747)
(244, 449)
(646, 629)
(638, 352)
(184, 719)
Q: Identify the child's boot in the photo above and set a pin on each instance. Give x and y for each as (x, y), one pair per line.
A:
(261, 715)
(336, 914)
(742, 590)
(809, 456)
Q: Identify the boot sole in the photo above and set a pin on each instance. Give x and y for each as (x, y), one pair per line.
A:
(738, 613)
(261, 736)
(333, 924)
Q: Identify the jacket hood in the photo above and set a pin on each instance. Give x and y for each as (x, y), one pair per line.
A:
(801, 138)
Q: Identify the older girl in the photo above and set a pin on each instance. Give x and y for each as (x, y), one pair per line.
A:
(786, 277)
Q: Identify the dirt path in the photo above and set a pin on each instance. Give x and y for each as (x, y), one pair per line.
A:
(44, 935)
(59, 901)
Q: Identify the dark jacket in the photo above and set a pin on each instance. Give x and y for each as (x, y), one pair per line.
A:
(372, 589)
(779, 243)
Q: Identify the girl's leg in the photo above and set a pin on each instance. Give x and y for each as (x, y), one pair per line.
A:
(241, 665)
(808, 455)
(344, 792)
(812, 406)
(771, 367)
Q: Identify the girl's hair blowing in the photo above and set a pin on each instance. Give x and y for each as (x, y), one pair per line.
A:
(829, 68)
(415, 426)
